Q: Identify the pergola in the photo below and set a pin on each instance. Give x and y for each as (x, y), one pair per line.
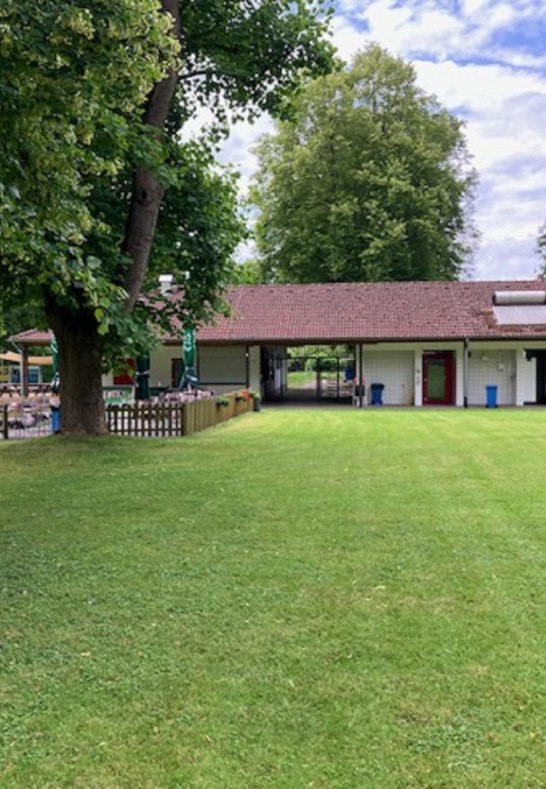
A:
(24, 342)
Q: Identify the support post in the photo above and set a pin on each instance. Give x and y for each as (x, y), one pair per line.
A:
(186, 428)
(5, 426)
(24, 371)
(247, 367)
(360, 377)
(465, 373)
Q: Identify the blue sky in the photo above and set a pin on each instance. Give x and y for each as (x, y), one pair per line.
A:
(485, 60)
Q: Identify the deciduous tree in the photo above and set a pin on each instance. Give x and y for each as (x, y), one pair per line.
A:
(368, 180)
(93, 167)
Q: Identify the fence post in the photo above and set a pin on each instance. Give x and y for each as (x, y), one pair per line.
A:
(164, 419)
(5, 429)
(185, 419)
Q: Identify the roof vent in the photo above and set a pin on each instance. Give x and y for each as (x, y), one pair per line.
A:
(518, 298)
(166, 282)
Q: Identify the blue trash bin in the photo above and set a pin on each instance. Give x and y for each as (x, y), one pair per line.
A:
(491, 396)
(55, 419)
(377, 393)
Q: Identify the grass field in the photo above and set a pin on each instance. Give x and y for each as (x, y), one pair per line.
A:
(308, 378)
(296, 599)
(302, 380)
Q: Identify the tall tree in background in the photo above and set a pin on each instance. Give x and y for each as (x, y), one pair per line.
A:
(93, 168)
(368, 180)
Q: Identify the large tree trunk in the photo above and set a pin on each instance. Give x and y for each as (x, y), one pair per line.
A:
(79, 343)
(80, 370)
(147, 192)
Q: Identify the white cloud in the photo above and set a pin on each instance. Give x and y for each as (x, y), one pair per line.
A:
(479, 68)
(500, 91)
(432, 30)
(238, 149)
(470, 7)
(475, 87)
(509, 258)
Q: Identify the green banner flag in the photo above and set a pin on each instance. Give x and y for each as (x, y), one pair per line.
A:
(188, 348)
(55, 381)
(189, 356)
(55, 354)
(142, 377)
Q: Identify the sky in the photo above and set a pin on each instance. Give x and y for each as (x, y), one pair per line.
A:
(485, 60)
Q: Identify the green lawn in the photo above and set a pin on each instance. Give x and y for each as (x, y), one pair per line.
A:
(302, 380)
(299, 598)
(308, 378)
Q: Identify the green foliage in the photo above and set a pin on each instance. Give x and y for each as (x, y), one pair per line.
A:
(247, 273)
(245, 56)
(19, 318)
(368, 180)
(74, 81)
(198, 229)
(321, 351)
(72, 85)
(326, 358)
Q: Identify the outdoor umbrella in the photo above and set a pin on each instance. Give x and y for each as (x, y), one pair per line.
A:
(143, 377)
(189, 354)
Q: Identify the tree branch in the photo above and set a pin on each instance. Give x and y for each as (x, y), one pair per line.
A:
(147, 192)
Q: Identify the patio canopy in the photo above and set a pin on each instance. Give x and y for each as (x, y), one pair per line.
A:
(16, 358)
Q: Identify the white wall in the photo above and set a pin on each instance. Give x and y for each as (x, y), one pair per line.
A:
(397, 365)
(406, 383)
(160, 364)
(222, 365)
(526, 391)
(488, 367)
(255, 359)
(393, 369)
(222, 368)
(504, 366)
(522, 388)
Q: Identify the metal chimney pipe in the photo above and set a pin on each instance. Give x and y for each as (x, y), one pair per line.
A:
(166, 282)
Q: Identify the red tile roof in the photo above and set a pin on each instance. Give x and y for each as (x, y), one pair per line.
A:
(32, 337)
(291, 314)
(366, 312)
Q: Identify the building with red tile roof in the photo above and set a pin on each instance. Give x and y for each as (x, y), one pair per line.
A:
(425, 343)
(361, 312)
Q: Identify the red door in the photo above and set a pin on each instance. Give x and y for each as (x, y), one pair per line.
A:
(439, 378)
(128, 377)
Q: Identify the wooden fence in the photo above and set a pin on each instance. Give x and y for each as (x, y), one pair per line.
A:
(21, 418)
(30, 420)
(165, 419)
